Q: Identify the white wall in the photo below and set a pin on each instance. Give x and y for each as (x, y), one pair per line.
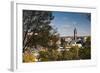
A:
(5, 34)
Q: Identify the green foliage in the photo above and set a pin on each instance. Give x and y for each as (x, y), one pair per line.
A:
(72, 54)
(85, 53)
(49, 55)
(66, 55)
(44, 55)
(54, 55)
(37, 22)
(28, 57)
(87, 43)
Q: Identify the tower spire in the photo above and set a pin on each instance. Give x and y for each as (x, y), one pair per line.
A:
(75, 34)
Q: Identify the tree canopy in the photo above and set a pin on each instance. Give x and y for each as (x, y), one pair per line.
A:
(36, 28)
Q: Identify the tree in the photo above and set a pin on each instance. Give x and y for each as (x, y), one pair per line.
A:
(67, 55)
(85, 52)
(36, 28)
(88, 42)
(62, 42)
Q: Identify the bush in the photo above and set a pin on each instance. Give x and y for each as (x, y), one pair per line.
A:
(50, 55)
(43, 56)
(28, 57)
(54, 55)
(85, 53)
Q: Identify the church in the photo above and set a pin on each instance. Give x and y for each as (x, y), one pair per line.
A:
(74, 40)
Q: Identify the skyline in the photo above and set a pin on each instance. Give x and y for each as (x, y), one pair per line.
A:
(65, 22)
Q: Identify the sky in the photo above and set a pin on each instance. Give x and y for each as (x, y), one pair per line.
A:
(65, 22)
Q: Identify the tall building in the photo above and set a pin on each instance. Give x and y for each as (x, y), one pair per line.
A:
(75, 34)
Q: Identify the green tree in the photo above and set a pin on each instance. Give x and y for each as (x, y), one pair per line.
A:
(88, 42)
(37, 23)
(85, 52)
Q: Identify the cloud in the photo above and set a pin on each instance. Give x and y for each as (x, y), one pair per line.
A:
(51, 24)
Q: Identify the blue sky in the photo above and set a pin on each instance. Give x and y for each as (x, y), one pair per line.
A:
(65, 22)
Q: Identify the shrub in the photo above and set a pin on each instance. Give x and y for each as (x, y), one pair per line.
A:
(85, 53)
(28, 57)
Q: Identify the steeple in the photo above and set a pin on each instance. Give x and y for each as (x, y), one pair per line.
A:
(75, 34)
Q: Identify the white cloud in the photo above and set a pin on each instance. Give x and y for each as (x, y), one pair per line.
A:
(51, 24)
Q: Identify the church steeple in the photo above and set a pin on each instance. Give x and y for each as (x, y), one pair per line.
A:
(75, 34)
